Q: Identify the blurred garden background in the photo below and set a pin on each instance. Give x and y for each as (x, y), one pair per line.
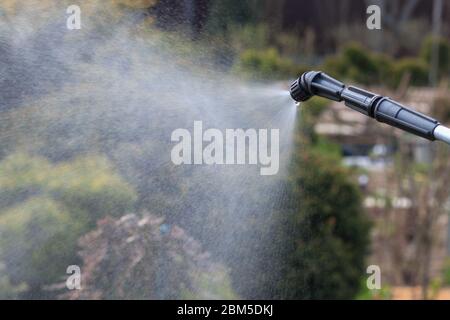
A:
(358, 193)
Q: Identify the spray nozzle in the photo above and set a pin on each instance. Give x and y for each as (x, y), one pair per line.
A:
(376, 106)
(316, 83)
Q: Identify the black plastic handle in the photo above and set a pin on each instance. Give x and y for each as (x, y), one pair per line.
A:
(397, 115)
(381, 108)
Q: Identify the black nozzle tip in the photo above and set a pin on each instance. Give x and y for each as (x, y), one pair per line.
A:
(299, 89)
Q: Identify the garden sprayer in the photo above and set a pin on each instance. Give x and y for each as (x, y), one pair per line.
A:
(376, 106)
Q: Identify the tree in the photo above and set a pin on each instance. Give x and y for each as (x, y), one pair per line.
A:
(411, 239)
(313, 243)
(323, 226)
(224, 14)
(330, 234)
(38, 241)
(9, 291)
(47, 207)
(144, 258)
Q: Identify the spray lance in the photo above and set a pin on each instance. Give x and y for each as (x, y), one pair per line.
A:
(381, 108)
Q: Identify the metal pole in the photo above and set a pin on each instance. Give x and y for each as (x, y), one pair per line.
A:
(442, 133)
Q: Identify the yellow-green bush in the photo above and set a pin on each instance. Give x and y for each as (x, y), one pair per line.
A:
(249, 37)
(87, 184)
(443, 49)
(90, 185)
(46, 207)
(267, 64)
(416, 68)
(8, 290)
(38, 241)
(355, 63)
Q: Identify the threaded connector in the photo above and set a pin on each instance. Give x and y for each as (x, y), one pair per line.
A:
(299, 91)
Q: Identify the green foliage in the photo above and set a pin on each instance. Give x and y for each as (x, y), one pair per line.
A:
(267, 64)
(443, 49)
(224, 14)
(9, 291)
(310, 112)
(320, 236)
(314, 107)
(87, 185)
(446, 273)
(327, 148)
(362, 66)
(216, 284)
(132, 258)
(356, 63)
(63, 200)
(416, 68)
(46, 207)
(38, 241)
(366, 294)
(249, 37)
(331, 232)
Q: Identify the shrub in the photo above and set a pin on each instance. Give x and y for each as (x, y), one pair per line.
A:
(249, 37)
(356, 63)
(335, 66)
(89, 184)
(320, 236)
(310, 112)
(46, 207)
(38, 241)
(8, 290)
(144, 258)
(443, 46)
(267, 64)
(331, 232)
(446, 272)
(360, 65)
(86, 185)
(416, 68)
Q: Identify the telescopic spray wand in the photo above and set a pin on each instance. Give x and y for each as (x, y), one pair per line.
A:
(376, 106)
